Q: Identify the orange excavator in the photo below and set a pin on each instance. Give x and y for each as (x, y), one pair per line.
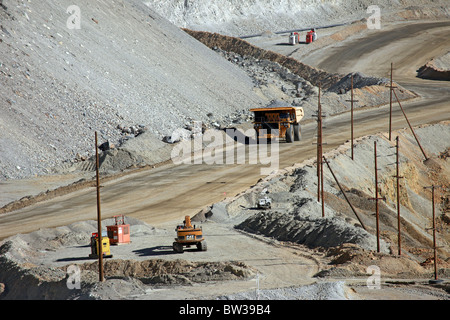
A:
(188, 235)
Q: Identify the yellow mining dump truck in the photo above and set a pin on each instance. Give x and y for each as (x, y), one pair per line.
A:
(284, 119)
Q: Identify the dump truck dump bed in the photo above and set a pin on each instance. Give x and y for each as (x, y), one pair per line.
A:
(296, 113)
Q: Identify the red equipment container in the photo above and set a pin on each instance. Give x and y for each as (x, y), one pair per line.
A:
(309, 37)
(119, 233)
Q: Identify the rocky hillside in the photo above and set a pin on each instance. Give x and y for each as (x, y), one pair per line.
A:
(238, 18)
(121, 69)
(125, 70)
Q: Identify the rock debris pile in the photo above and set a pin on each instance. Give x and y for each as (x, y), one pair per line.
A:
(436, 69)
(296, 215)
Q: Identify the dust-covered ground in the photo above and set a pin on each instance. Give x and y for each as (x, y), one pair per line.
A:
(286, 252)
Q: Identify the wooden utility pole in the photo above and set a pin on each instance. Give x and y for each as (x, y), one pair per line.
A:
(434, 234)
(319, 156)
(377, 214)
(376, 199)
(404, 114)
(351, 114)
(436, 280)
(321, 187)
(99, 216)
(398, 197)
(390, 103)
(319, 144)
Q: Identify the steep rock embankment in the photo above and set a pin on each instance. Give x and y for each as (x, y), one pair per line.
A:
(124, 67)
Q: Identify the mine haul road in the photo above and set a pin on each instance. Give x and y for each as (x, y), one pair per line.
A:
(170, 192)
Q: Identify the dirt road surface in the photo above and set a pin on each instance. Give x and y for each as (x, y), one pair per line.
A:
(164, 195)
(398, 43)
(171, 192)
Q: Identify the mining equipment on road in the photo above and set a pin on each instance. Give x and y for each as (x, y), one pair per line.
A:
(278, 122)
(188, 235)
(264, 203)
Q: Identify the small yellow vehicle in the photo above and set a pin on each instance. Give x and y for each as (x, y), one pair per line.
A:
(106, 252)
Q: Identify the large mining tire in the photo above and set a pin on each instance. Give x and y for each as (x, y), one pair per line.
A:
(297, 132)
(290, 134)
(177, 247)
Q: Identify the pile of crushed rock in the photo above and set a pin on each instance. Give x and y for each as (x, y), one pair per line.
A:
(436, 69)
(125, 68)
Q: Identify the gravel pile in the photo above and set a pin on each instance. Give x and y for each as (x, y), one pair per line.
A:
(436, 69)
(309, 229)
(360, 80)
(126, 67)
(272, 79)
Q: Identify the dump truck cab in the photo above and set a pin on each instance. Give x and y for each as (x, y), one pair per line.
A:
(278, 122)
